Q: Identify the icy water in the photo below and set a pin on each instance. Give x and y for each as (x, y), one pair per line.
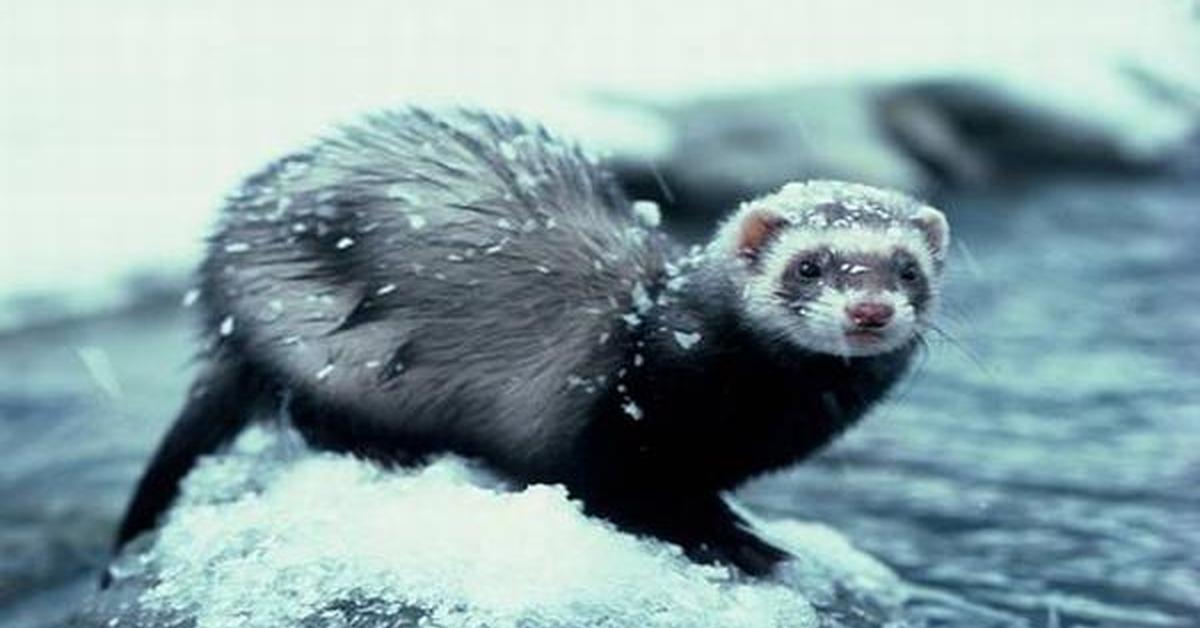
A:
(1040, 470)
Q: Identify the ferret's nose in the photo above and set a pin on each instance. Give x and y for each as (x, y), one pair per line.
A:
(870, 315)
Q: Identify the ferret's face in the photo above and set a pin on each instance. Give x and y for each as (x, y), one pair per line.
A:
(834, 285)
(850, 302)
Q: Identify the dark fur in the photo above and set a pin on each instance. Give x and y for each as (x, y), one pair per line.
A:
(518, 355)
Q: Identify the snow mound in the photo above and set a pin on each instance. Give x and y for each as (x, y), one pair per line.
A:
(271, 534)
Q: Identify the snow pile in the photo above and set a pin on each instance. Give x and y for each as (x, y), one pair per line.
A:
(272, 535)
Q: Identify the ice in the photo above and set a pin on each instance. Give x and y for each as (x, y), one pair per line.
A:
(687, 340)
(226, 327)
(641, 299)
(647, 213)
(416, 221)
(632, 409)
(190, 297)
(272, 311)
(269, 535)
(527, 181)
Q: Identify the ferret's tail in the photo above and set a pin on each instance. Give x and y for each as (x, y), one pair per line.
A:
(224, 399)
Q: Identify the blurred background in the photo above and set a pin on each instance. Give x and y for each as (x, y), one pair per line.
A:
(1041, 467)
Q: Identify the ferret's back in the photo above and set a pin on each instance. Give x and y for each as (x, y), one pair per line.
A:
(429, 271)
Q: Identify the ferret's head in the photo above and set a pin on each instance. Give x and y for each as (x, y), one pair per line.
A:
(837, 268)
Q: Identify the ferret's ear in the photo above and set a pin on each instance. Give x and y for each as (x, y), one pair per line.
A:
(936, 230)
(754, 229)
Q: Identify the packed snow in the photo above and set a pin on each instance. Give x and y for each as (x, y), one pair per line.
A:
(272, 534)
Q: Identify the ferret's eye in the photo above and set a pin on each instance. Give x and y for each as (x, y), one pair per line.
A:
(808, 269)
(909, 272)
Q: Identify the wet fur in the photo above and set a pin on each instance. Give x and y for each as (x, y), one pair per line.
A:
(483, 307)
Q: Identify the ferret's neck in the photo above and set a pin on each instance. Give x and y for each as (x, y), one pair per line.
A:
(690, 318)
(704, 394)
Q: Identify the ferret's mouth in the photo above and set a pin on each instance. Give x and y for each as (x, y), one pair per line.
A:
(865, 336)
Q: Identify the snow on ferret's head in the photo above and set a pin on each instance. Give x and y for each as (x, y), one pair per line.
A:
(837, 268)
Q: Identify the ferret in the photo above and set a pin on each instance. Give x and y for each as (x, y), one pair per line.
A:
(459, 281)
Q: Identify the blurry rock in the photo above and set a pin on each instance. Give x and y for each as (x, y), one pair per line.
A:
(918, 136)
(973, 132)
(724, 149)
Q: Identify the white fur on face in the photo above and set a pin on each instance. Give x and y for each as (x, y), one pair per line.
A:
(821, 324)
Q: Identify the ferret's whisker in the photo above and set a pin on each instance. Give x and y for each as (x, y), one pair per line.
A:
(966, 351)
